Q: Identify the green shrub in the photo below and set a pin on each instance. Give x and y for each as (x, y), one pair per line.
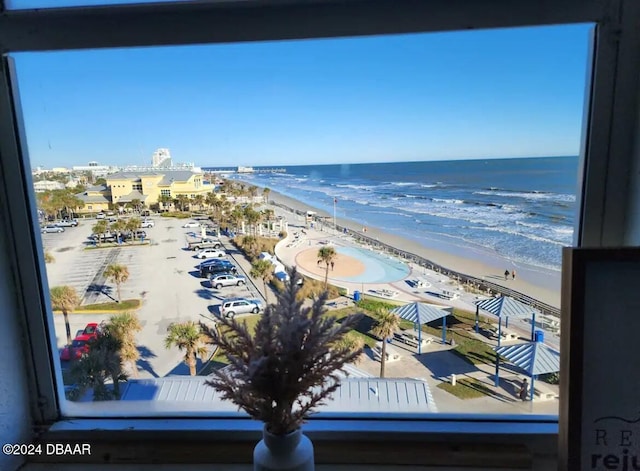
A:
(176, 214)
(551, 378)
(373, 304)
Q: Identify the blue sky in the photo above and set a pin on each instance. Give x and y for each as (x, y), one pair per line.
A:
(478, 94)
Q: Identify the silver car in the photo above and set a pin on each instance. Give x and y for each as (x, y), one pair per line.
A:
(226, 279)
(52, 228)
(232, 306)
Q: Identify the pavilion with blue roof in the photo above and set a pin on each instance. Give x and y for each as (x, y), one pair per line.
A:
(422, 313)
(534, 358)
(505, 307)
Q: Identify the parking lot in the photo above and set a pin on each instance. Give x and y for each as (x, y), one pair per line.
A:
(163, 275)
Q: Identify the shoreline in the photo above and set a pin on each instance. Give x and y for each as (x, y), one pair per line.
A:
(540, 284)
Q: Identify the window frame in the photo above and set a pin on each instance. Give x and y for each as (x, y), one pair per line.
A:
(606, 156)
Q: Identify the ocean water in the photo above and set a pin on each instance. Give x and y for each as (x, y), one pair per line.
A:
(519, 209)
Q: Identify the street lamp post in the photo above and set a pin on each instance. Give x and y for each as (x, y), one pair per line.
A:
(335, 201)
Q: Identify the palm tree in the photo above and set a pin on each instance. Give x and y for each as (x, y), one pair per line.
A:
(65, 299)
(187, 336)
(118, 274)
(199, 200)
(252, 217)
(327, 255)
(124, 328)
(99, 229)
(262, 269)
(250, 243)
(164, 200)
(102, 361)
(210, 200)
(182, 201)
(384, 328)
(136, 203)
(118, 227)
(236, 217)
(132, 225)
(265, 194)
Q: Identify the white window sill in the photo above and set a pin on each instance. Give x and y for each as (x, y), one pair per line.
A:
(428, 444)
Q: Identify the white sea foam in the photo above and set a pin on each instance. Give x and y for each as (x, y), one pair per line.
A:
(533, 195)
(446, 200)
(355, 187)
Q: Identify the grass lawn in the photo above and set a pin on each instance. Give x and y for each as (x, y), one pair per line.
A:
(460, 326)
(126, 305)
(176, 214)
(110, 245)
(467, 388)
(220, 358)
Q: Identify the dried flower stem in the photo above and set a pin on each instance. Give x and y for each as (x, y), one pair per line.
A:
(288, 367)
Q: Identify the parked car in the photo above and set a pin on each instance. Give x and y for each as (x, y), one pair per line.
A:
(91, 330)
(210, 253)
(100, 216)
(226, 279)
(51, 228)
(204, 243)
(232, 306)
(137, 235)
(147, 223)
(191, 224)
(107, 237)
(80, 346)
(208, 270)
(67, 223)
(216, 261)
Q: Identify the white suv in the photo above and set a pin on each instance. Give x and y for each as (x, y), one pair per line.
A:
(147, 223)
(226, 279)
(232, 306)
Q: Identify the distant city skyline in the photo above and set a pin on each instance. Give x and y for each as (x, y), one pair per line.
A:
(419, 97)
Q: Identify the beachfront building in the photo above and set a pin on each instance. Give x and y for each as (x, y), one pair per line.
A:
(47, 185)
(96, 170)
(161, 158)
(148, 188)
(96, 198)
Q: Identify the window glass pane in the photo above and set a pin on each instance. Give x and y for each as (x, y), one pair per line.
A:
(442, 168)
(26, 4)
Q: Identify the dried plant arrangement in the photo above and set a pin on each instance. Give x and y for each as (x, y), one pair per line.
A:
(289, 366)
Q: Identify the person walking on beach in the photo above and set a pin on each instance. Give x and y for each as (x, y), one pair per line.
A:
(332, 264)
(513, 274)
(506, 274)
(524, 390)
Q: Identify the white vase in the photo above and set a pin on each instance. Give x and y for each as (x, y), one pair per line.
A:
(293, 451)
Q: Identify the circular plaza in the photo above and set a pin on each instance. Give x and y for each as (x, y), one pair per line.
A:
(355, 265)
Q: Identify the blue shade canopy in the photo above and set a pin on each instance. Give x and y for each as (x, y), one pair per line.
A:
(535, 358)
(420, 313)
(504, 306)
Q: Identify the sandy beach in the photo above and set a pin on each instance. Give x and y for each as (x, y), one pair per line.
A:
(538, 283)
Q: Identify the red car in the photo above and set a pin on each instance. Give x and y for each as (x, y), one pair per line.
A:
(92, 330)
(80, 346)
